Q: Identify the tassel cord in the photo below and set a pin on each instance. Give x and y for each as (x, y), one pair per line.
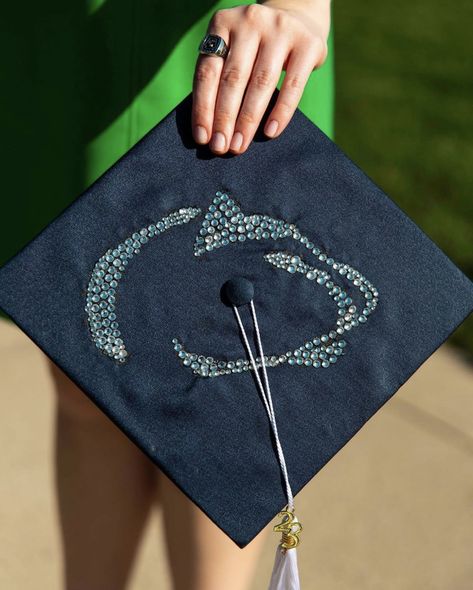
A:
(285, 575)
(266, 395)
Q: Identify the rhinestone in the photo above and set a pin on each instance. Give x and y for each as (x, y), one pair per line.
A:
(224, 223)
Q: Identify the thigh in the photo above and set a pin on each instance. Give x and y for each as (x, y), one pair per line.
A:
(104, 488)
(201, 556)
(71, 400)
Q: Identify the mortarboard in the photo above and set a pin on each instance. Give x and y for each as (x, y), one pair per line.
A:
(148, 291)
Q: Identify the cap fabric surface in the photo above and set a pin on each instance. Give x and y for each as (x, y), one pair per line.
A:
(124, 292)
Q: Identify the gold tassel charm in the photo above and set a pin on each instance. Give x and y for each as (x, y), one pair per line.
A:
(290, 528)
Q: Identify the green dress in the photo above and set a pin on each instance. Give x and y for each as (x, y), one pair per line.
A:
(89, 79)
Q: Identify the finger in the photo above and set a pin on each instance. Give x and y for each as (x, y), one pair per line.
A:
(300, 64)
(264, 78)
(233, 81)
(205, 86)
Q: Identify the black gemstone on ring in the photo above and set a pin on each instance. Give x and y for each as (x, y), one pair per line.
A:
(210, 44)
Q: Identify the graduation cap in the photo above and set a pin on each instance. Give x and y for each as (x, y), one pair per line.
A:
(239, 318)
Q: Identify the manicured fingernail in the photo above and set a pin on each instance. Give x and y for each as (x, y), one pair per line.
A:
(271, 128)
(200, 134)
(236, 141)
(218, 141)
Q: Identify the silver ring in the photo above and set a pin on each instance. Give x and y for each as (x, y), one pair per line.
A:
(213, 45)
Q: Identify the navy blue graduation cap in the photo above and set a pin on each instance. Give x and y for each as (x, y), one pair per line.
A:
(168, 286)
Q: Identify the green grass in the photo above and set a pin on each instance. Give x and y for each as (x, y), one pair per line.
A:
(404, 113)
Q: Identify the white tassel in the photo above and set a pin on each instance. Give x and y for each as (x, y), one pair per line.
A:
(285, 574)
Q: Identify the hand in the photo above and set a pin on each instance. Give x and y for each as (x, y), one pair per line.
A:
(232, 94)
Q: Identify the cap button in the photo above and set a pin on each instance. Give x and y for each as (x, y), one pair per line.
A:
(237, 291)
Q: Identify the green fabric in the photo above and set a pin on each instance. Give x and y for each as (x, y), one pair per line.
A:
(172, 82)
(88, 81)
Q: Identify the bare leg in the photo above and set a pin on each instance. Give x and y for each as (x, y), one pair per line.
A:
(105, 487)
(201, 556)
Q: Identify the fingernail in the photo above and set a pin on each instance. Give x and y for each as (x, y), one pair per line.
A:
(237, 140)
(271, 128)
(218, 141)
(200, 134)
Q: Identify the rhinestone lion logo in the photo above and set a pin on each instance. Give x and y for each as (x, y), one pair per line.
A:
(225, 224)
